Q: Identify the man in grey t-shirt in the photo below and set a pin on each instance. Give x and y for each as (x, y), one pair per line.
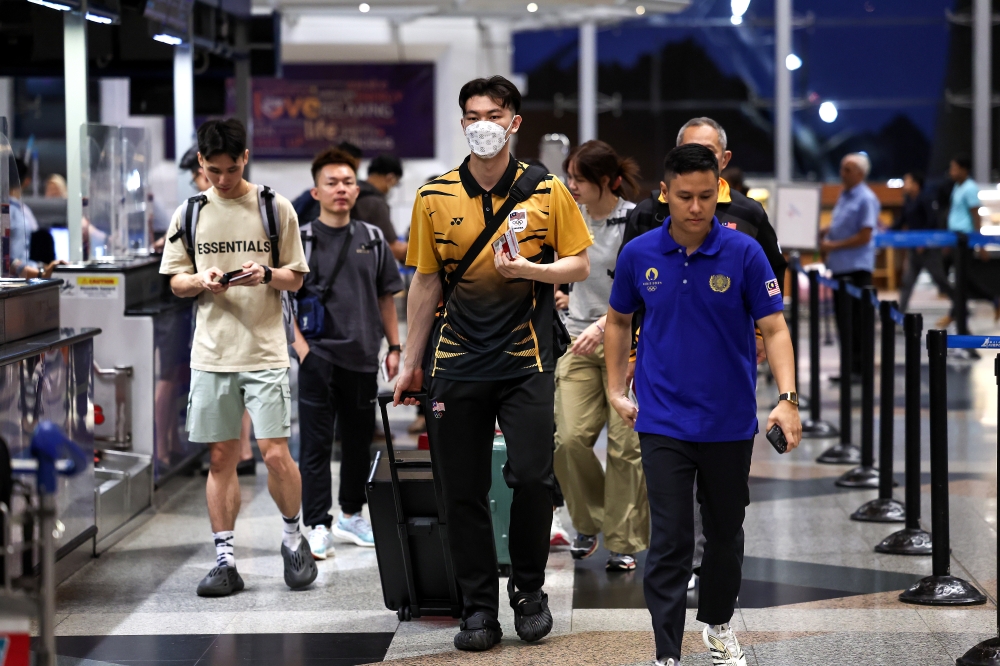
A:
(338, 371)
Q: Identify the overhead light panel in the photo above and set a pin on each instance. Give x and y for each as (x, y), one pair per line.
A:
(532, 7)
(364, 8)
(97, 18)
(170, 40)
(739, 8)
(792, 62)
(52, 5)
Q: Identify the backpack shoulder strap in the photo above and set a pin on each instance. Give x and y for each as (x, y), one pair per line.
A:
(308, 239)
(270, 217)
(522, 189)
(189, 222)
(375, 242)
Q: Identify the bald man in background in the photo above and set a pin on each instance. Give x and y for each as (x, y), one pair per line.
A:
(849, 243)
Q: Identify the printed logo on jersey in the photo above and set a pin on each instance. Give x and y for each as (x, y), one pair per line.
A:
(772, 288)
(228, 247)
(652, 282)
(517, 221)
(455, 221)
(719, 283)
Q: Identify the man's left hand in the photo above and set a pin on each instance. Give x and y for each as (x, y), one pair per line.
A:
(518, 267)
(786, 415)
(392, 364)
(826, 247)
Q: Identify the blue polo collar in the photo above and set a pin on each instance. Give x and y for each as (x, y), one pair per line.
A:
(710, 246)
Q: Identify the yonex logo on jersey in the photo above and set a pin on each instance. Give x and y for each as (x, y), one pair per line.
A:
(456, 221)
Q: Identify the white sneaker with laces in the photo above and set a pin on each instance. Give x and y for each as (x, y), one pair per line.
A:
(669, 662)
(321, 543)
(354, 530)
(558, 536)
(723, 646)
(691, 583)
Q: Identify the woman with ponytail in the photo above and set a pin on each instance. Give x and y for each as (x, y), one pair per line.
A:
(612, 502)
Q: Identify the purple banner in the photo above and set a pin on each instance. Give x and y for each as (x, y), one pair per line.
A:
(379, 108)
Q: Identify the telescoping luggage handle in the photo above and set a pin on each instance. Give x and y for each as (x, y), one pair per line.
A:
(383, 401)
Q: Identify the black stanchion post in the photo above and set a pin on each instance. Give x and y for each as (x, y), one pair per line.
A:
(865, 475)
(885, 509)
(961, 313)
(940, 588)
(987, 653)
(844, 453)
(814, 427)
(911, 540)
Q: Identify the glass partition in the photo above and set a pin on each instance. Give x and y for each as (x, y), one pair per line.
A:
(100, 181)
(15, 237)
(136, 213)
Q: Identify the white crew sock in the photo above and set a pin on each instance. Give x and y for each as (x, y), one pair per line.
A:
(292, 537)
(224, 548)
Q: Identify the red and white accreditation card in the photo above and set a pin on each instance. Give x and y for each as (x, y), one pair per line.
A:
(507, 243)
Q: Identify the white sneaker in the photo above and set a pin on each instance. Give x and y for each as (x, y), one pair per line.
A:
(691, 583)
(558, 536)
(669, 662)
(723, 646)
(321, 543)
(354, 530)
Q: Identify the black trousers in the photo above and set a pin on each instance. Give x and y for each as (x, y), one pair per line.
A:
(917, 260)
(858, 279)
(326, 390)
(461, 437)
(722, 470)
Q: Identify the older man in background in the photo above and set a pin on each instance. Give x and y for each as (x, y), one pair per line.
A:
(848, 242)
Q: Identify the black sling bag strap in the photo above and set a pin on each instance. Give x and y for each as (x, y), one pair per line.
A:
(520, 191)
(341, 260)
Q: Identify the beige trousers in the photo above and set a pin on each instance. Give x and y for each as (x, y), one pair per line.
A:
(612, 502)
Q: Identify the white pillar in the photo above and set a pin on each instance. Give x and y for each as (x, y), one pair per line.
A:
(184, 133)
(782, 92)
(75, 70)
(588, 81)
(982, 93)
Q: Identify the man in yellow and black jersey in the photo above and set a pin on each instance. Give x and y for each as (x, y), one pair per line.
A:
(492, 355)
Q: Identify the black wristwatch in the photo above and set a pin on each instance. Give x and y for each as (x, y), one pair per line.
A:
(267, 275)
(395, 348)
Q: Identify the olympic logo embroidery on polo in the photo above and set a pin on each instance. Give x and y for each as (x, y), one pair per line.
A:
(652, 282)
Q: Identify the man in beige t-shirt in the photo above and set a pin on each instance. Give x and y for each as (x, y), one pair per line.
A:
(239, 355)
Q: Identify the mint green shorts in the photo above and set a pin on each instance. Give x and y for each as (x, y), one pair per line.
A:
(217, 400)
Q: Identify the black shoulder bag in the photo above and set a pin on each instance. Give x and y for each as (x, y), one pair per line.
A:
(522, 189)
(312, 308)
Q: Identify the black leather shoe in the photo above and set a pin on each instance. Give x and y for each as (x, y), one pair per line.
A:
(478, 633)
(532, 619)
(220, 582)
(300, 567)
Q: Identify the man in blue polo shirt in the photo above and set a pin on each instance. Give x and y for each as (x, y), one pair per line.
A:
(703, 287)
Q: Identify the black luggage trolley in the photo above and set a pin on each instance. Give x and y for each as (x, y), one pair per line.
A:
(410, 529)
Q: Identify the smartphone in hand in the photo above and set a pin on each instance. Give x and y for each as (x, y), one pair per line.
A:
(234, 276)
(777, 439)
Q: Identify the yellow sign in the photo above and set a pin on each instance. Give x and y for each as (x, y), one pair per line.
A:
(95, 281)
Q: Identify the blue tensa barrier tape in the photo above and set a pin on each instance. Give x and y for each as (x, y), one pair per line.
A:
(897, 316)
(974, 342)
(918, 239)
(873, 299)
(854, 292)
(827, 282)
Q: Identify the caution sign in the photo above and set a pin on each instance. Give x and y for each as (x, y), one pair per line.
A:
(93, 286)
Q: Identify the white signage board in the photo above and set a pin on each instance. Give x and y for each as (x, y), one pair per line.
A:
(796, 216)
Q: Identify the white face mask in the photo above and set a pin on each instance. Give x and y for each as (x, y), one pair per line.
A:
(486, 138)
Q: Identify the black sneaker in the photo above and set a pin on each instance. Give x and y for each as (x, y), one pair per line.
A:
(478, 633)
(300, 567)
(620, 562)
(532, 619)
(221, 581)
(583, 546)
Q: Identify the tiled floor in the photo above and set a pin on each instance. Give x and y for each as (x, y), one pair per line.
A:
(814, 590)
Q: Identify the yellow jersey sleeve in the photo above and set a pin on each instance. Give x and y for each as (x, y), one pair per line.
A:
(568, 233)
(421, 253)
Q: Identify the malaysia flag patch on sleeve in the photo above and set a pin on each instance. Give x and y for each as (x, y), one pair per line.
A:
(772, 288)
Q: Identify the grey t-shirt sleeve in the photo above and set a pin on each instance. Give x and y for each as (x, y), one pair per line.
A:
(375, 210)
(388, 281)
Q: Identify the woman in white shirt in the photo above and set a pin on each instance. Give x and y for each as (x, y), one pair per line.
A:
(612, 502)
